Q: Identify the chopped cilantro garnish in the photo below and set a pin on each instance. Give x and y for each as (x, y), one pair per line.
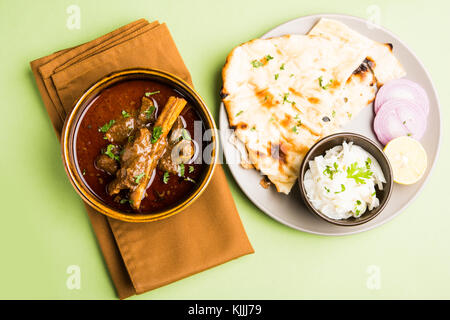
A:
(276, 76)
(253, 128)
(166, 177)
(409, 134)
(358, 202)
(139, 177)
(186, 135)
(325, 87)
(357, 212)
(157, 131)
(239, 113)
(84, 172)
(149, 111)
(342, 189)
(291, 75)
(191, 169)
(190, 180)
(109, 152)
(294, 129)
(123, 201)
(358, 173)
(328, 190)
(257, 64)
(106, 126)
(268, 57)
(285, 98)
(148, 94)
(368, 163)
(374, 193)
(331, 172)
(125, 114)
(181, 169)
(349, 114)
(333, 114)
(282, 67)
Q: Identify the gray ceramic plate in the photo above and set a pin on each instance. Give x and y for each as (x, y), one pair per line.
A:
(289, 209)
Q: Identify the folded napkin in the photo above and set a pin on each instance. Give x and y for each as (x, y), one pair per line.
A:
(144, 256)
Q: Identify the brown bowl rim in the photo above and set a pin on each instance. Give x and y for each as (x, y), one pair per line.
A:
(345, 222)
(71, 123)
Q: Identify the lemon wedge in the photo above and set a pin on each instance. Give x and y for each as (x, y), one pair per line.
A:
(408, 159)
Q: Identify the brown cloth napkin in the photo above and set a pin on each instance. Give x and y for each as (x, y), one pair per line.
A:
(144, 256)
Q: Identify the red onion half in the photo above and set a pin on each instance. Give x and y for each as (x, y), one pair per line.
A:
(399, 117)
(402, 89)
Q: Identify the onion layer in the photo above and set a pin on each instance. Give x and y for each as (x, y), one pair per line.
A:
(399, 117)
(402, 89)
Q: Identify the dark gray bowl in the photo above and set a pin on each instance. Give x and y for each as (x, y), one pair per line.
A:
(329, 142)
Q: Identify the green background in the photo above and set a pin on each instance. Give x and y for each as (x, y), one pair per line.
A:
(44, 227)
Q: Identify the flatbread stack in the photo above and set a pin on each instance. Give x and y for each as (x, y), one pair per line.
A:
(285, 93)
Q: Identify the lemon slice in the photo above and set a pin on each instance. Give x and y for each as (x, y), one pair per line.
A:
(408, 159)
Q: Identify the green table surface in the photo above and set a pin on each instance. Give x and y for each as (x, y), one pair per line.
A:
(44, 227)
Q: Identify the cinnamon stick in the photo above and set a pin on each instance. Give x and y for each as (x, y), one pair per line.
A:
(163, 124)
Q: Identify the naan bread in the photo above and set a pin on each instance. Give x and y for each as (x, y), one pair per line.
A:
(285, 93)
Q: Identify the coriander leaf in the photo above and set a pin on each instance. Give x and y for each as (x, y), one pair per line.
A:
(106, 126)
(333, 114)
(139, 177)
(157, 132)
(191, 169)
(328, 190)
(257, 64)
(276, 76)
(268, 57)
(325, 87)
(282, 67)
(166, 177)
(331, 172)
(368, 163)
(148, 94)
(123, 201)
(125, 114)
(239, 113)
(342, 189)
(149, 111)
(294, 129)
(186, 135)
(109, 152)
(358, 173)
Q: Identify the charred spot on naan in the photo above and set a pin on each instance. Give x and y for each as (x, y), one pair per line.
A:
(278, 151)
(223, 94)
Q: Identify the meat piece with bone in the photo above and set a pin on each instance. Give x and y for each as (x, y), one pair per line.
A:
(141, 155)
